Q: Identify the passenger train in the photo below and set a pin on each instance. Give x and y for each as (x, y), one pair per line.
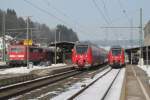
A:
(116, 57)
(85, 55)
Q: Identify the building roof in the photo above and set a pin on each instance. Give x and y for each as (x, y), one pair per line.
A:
(62, 43)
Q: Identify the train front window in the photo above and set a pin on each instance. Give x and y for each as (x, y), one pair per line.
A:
(116, 52)
(81, 49)
(16, 49)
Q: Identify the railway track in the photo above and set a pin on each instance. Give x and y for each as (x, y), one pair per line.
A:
(9, 91)
(39, 92)
(77, 96)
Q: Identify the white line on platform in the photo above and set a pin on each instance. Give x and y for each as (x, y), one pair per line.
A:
(141, 85)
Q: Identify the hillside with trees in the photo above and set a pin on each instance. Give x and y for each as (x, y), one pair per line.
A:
(41, 33)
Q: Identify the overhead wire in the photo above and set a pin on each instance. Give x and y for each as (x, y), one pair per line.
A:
(64, 14)
(120, 17)
(53, 7)
(52, 15)
(106, 10)
(45, 11)
(100, 11)
(124, 11)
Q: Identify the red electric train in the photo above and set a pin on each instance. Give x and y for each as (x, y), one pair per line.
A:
(17, 55)
(85, 55)
(116, 57)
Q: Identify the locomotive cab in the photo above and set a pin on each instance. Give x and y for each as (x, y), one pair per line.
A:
(81, 57)
(116, 57)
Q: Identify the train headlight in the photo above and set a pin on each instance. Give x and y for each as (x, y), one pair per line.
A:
(86, 56)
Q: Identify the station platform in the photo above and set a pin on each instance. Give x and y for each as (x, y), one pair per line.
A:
(137, 84)
(18, 74)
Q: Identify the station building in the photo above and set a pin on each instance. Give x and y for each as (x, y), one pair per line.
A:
(63, 51)
(144, 56)
(147, 34)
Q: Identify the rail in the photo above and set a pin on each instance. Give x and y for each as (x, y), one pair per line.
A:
(92, 83)
(9, 91)
(82, 90)
(106, 92)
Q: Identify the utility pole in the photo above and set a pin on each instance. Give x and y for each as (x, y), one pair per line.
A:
(27, 42)
(55, 48)
(141, 38)
(4, 42)
(147, 50)
(31, 33)
(131, 39)
(59, 35)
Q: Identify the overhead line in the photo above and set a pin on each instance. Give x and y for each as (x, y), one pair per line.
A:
(124, 11)
(49, 4)
(100, 11)
(106, 10)
(65, 15)
(44, 11)
(122, 27)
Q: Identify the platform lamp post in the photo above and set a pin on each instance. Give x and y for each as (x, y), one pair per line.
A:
(131, 22)
(141, 38)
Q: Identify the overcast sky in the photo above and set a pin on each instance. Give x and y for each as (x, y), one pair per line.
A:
(86, 17)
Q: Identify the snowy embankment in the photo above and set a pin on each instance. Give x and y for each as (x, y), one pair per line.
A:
(25, 70)
(146, 68)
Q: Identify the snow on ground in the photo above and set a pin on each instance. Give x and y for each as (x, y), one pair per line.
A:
(56, 65)
(78, 86)
(97, 91)
(2, 63)
(25, 70)
(146, 68)
(117, 86)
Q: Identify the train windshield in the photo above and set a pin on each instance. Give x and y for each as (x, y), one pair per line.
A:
(16, 49)
(80, 49)
(116, 52)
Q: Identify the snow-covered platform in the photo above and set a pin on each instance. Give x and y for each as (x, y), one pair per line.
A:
(2, 63)
(137, 83)
(37, 70)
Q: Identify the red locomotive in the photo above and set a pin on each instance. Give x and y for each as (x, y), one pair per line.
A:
(116, 57)
(17, 54)
(85, 55)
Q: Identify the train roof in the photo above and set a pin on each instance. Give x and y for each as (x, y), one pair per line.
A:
(116, 47)
(85, 43)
